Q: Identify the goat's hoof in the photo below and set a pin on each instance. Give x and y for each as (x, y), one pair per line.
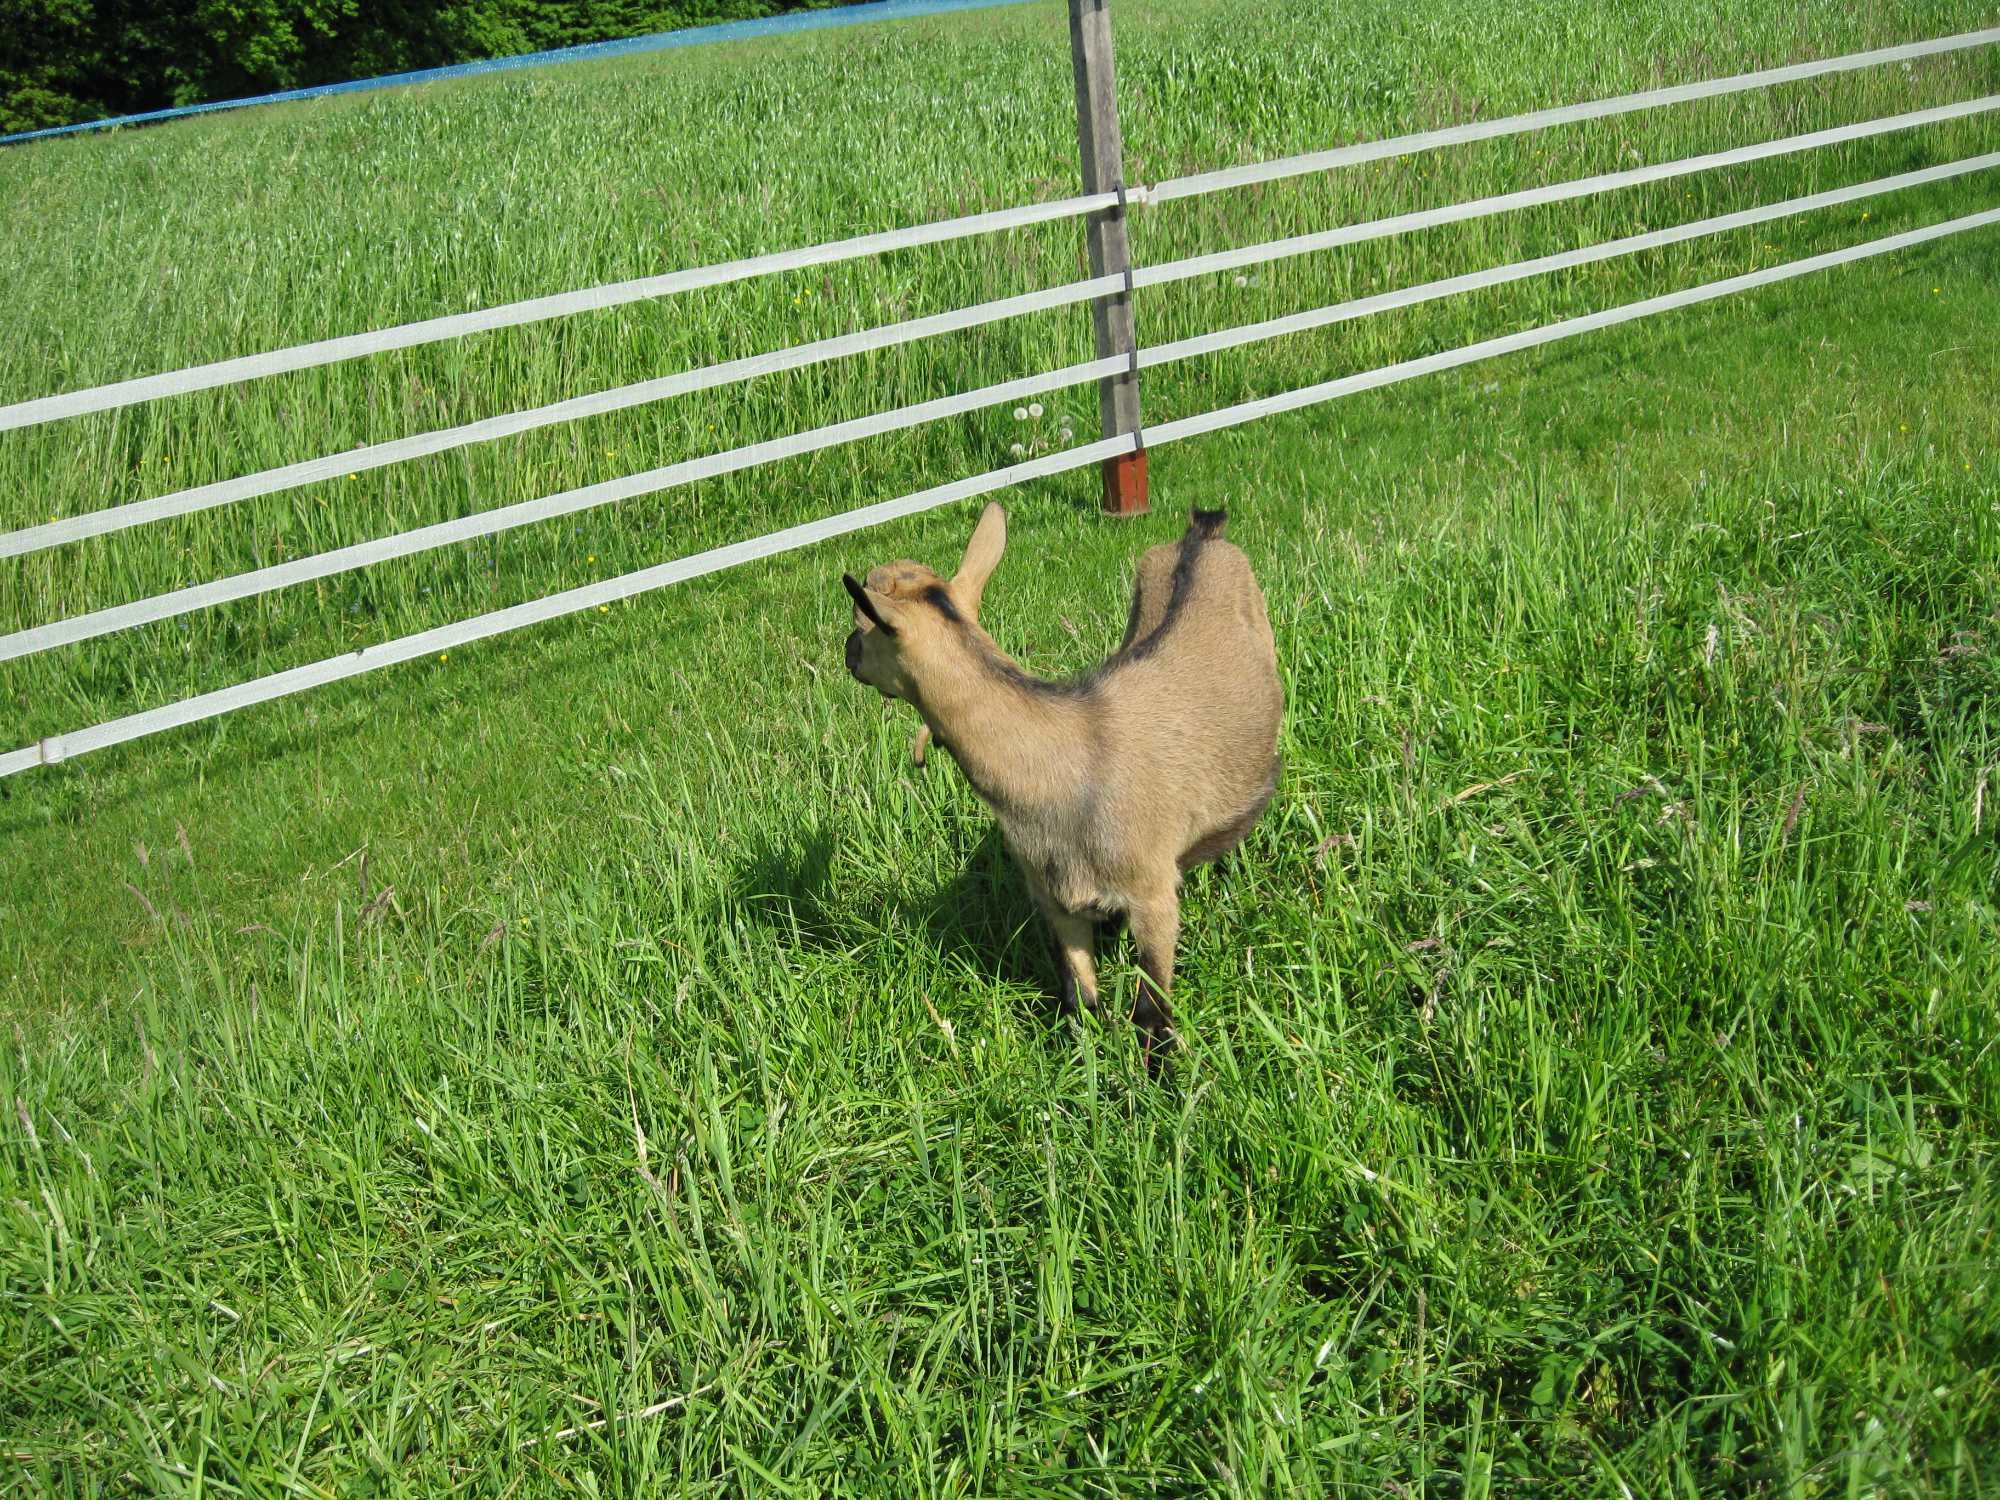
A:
(1072, 1000)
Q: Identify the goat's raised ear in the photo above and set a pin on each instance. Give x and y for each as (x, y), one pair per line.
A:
(866, 603)
(982, 555)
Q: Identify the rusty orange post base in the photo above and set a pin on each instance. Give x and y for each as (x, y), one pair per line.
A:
(1125, 484)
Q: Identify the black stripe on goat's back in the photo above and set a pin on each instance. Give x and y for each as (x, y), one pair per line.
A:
(1203, 526)
(939, 598)
(1207, 525)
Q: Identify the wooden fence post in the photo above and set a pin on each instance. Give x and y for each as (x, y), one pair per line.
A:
(1103, 152)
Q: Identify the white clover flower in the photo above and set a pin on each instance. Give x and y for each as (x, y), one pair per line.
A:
(1020, 414)
(1017, 450)
(1034, 408)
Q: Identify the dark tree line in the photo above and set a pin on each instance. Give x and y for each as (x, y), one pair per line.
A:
(63, 61)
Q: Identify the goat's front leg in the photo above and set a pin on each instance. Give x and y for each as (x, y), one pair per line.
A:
(1156, 926)
(1075, 941)
(1076, 955)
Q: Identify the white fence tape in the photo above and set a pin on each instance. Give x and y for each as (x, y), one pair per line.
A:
(568, 502)
(408, 335)
(1567, 114)
(379, 455)
(534, 310)
(1558, 192)
(1512, 343)
(208, 705)
(244, 585)
(573, 601)
(1654, 239)
(269, 481)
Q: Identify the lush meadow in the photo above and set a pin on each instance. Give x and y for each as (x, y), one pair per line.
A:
(1592, 1081)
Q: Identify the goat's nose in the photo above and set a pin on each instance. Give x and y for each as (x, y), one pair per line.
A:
(854, 655)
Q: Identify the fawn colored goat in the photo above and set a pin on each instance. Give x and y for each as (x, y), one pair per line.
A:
(1110, 787)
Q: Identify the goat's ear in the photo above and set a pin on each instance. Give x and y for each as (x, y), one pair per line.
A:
(865, 602)
(982, 555)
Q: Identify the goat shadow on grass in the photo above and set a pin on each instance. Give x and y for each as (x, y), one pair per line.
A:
(982, 914)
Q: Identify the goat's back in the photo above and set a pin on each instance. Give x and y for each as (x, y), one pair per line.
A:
(1192, 702)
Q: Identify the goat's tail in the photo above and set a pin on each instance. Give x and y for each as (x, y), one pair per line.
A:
(1206, 525)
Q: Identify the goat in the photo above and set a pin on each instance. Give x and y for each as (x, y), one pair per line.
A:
(1108, 788)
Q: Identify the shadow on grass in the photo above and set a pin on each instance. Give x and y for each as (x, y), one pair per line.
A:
(982, 916)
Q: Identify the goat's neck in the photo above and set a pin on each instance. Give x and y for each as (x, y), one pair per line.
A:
(1023, 748)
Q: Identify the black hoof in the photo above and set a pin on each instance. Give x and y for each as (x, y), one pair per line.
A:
(1073, 999)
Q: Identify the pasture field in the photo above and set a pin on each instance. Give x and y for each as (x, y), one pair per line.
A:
(597, 1063)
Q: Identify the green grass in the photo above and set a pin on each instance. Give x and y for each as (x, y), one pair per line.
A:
(1592, 1080)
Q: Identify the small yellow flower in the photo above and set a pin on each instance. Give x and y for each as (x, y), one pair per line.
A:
(604, 609)
(444, 656)
(591, 558)
(352, 477)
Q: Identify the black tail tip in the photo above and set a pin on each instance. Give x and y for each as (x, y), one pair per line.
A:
(1207, 524)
